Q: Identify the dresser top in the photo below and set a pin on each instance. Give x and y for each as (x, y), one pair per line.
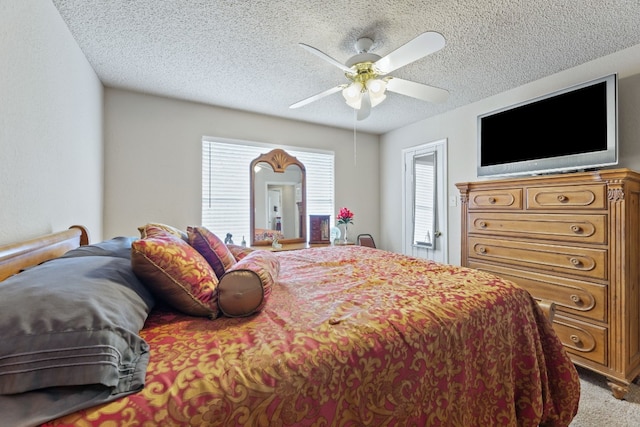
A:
(602, 175)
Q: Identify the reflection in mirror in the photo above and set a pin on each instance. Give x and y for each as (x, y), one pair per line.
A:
(276, 200)
(424, 191)
(278, 203)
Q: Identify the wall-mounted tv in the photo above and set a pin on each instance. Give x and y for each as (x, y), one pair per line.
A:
(571, 129)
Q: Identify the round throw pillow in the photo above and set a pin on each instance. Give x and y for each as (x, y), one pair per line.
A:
(244, 289)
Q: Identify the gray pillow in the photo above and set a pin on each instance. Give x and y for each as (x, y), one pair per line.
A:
(74, 321)
(118, 247)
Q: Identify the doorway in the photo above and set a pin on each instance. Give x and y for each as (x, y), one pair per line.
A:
(274, 213)
(424, 225)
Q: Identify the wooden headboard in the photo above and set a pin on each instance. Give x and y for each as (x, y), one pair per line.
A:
(15, 257)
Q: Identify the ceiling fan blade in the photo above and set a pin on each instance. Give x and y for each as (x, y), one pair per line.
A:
(423, 45)
(326, 57)
(318, 96)
(417, 90)
(365, 107)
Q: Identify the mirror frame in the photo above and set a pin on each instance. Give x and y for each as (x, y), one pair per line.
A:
(279, 160)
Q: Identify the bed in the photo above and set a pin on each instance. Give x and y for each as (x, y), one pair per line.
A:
(344, 336)
(266, 236)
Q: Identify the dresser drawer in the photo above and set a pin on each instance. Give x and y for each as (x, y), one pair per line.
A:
(586, 262)
(577, 297)
(582, 339)
(588, 196)
(504, 198)
(568, 228)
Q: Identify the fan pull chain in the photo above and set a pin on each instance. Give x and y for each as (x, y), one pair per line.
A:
(355, 150)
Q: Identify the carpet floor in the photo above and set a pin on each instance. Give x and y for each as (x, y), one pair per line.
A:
(598, 407)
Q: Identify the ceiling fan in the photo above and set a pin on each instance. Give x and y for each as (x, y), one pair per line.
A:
(369, 77)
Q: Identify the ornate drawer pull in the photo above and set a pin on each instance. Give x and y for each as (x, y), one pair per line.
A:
(575, 261)
(575, 298)
(492, 200)
(562, 198)
(482, 250)
(482, 224)
(576, 228)
(575, 339)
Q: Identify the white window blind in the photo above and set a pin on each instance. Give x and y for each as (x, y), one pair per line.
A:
(320, 185)
(424, 198)
(225, 184)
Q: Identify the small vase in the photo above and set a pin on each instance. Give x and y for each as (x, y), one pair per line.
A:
(345, 237)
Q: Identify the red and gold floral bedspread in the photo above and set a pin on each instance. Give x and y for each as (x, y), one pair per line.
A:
(356, 336)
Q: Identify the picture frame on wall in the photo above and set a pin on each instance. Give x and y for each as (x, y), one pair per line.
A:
(319, 228)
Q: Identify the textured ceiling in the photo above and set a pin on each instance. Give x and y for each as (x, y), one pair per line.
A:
(245, 55)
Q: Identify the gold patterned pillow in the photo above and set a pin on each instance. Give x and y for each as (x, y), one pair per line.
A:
(211, 248)
(175, 272)
(150, 227)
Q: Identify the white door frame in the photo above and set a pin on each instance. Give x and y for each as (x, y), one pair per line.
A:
(441, 251)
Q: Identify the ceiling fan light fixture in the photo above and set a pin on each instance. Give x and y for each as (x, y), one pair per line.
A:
(353, 95)
(375, 100)
(376, 88)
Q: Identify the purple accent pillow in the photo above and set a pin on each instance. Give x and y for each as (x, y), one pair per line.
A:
(212, 249)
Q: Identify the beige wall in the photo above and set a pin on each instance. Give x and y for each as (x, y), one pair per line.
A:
(153, 159)
(50, 126)
(459, 128)
(52, 131)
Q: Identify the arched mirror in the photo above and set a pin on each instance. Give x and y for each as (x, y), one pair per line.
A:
(278, 199)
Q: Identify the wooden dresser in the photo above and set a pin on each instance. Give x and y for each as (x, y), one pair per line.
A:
(572, 239)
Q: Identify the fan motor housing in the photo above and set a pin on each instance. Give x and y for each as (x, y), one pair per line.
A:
(362, 57)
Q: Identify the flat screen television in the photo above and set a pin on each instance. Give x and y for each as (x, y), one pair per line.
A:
(568, 130)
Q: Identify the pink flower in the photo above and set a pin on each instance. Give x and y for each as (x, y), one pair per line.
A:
(345, 216)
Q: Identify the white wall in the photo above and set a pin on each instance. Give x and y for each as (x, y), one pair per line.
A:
(459, 127)
(153, 159)
(50, 126)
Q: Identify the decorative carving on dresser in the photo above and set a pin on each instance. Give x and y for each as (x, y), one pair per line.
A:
(572, 239)
(616, 192)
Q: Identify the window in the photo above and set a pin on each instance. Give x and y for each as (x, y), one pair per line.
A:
(225, 184)
(424, 167)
